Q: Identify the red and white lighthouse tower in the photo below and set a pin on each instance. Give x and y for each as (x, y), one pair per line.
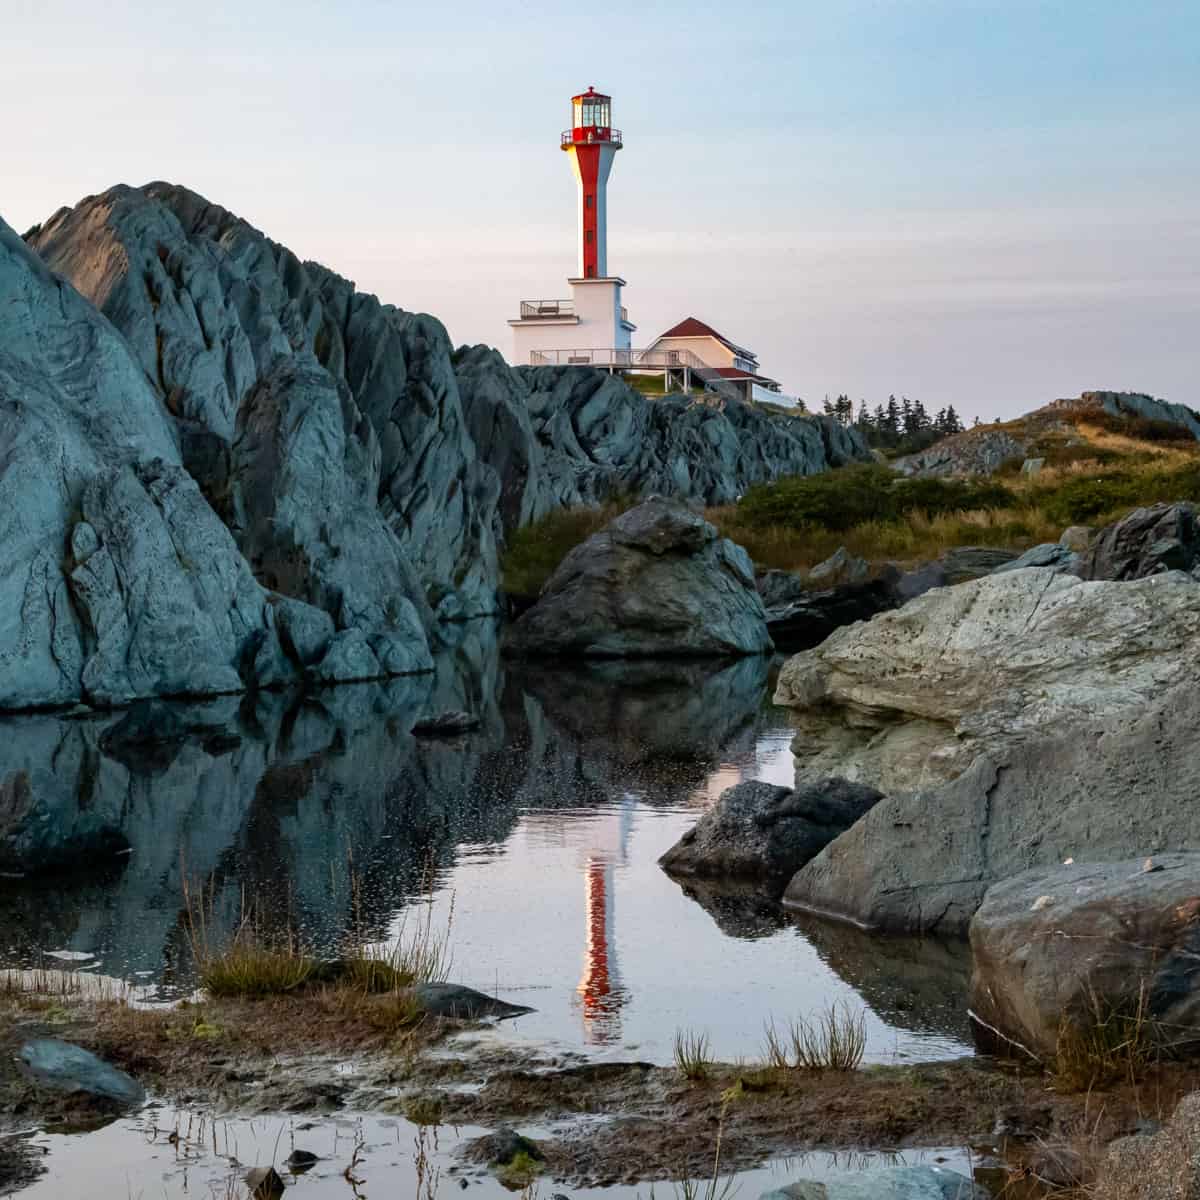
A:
(592, 144)
(592, 328)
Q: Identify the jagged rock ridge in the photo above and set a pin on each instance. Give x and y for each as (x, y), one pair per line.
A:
(241, 471)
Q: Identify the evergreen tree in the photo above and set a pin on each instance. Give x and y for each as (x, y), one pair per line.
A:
(891, 422)
(953, 424)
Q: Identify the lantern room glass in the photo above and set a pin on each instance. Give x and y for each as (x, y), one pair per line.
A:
(592, 112)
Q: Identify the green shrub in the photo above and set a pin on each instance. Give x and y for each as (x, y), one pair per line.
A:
(534, 552)
(854, 495)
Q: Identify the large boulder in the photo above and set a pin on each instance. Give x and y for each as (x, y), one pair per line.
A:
(760, 832)
(1100, 790)
(884, 1183)
(1073, 944)
(1149, 541)
(1006, 657)
(658, 581)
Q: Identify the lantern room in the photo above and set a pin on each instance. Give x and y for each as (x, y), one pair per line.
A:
(591, 121)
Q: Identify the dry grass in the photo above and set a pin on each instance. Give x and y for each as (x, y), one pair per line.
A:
(916, 538)
(692, 1055)
(1107, 1044)
(835, 1040)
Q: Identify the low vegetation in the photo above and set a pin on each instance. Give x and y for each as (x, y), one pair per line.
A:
(1104, 1045)
(692, 1055)
(1093, 474)
(835, 1040)
(534, 552)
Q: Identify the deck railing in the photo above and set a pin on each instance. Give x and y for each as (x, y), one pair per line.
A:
(547, 308)
(591, 136)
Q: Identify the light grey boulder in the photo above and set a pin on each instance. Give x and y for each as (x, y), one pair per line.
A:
(1068, 945)
(658, 581)
(1100, 790)
(464, 1003)
(884, 1183)
(839, 569)
(1076, 537)
(1158, 1166)
(1013, 655)
(977, 451)
(763, 833)
(65, 1067)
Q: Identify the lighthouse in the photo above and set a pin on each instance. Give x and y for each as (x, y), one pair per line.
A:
(592, 144)
(592, 327)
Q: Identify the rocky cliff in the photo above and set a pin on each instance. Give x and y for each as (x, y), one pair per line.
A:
(223, 467)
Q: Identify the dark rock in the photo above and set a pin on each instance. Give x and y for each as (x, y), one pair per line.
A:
(920, 580)
(464, 1003)
(766, 833)
(1149, 541)
(446, 724)
(1053, 555)
(1057, 944)
(658, 581)
(264, 1183)
(810, 618)
(973, 562)
(302, 1160)
(499, 1149)
(64, 1067)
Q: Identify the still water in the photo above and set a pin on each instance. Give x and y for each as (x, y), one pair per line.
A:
(534, 839)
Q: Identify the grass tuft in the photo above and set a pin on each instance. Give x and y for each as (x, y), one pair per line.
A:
(1107, 1043)
(692, 1055)
(833, 1041)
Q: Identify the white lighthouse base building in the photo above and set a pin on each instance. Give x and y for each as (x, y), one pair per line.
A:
(584, 330)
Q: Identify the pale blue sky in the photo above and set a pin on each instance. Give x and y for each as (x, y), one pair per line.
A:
(972, 202)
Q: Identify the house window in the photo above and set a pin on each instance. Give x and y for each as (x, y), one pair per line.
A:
(587, 200)
(588, 236)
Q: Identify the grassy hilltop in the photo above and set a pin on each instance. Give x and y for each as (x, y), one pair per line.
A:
(1096, 467)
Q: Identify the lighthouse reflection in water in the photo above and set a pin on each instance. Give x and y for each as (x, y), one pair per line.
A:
(600, 994)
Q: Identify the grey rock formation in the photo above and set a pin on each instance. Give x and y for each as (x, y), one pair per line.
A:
(65, 1067)
(565, 436)
(922, 860)
(658, 581)
(838, 570)
(1158, 1166)
(1162, 537)
(260, 359)
(884, 1183)
(757, 831)
(974, 452)
(120, 581)
(1135, 404)
(1014, 655)
(1070, 944)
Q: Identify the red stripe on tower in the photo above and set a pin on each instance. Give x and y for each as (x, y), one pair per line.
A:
(589, 172)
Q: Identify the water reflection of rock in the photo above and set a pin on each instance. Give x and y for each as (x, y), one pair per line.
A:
(282, 797)
(911, 983)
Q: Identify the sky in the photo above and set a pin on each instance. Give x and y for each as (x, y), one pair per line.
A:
(968, 202)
